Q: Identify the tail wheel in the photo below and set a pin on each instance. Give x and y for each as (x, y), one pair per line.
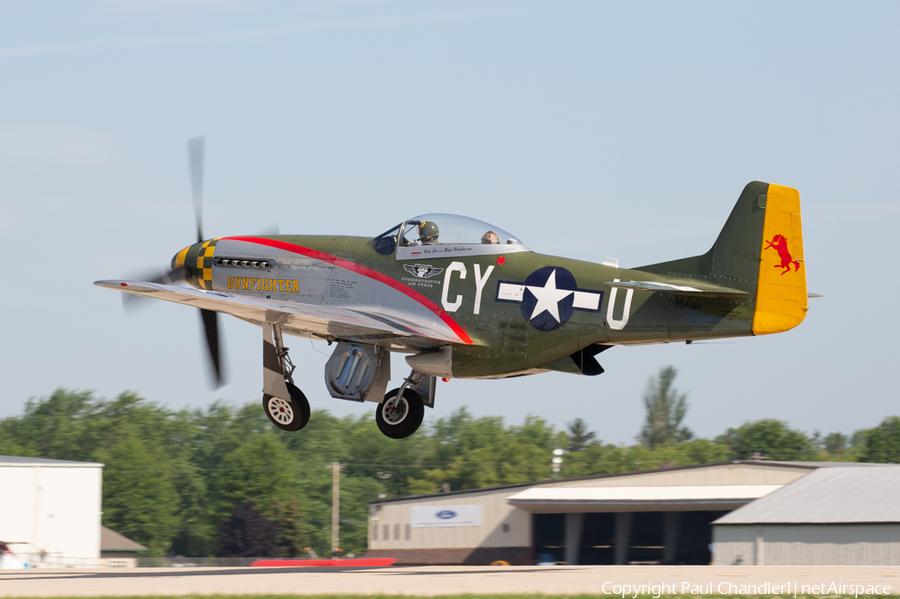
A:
(400, 419)
(288, 415)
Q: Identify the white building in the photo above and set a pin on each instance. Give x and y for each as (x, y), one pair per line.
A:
(50, 511)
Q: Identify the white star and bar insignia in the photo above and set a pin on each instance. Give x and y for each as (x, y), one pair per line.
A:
(549, 297)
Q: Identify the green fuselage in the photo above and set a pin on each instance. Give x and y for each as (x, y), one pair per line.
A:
(518, 321)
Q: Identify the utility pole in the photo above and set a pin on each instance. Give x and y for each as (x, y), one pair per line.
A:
(335, 505)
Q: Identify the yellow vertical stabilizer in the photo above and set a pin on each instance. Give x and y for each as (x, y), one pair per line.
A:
(781, 298)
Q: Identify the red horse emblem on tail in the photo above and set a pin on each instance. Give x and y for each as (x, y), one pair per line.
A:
(780, 244)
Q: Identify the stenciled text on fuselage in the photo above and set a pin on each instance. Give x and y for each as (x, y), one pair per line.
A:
(263, 284)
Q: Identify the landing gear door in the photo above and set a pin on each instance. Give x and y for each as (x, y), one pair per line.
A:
(358, 372)
(425, 389)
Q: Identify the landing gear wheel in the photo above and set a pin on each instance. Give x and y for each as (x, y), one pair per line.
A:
(403, 418)
(287, 415)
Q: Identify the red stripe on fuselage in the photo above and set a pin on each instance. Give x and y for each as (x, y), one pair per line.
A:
(366, 272)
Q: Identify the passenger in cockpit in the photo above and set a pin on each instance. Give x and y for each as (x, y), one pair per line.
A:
(428, 233)
(490, 237)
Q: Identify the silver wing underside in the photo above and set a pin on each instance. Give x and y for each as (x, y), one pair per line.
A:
(377, 325)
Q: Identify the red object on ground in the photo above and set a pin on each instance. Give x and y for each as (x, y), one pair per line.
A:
(350, 562)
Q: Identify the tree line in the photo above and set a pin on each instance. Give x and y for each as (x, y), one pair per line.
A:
(193, 482)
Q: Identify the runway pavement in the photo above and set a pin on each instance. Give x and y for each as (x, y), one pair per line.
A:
(446, 580)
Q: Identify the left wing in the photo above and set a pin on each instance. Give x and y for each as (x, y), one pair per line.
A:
(360, 323)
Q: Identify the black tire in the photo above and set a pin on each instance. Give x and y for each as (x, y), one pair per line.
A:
(287, 415)
(404, 418)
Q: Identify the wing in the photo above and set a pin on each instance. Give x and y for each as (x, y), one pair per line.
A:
(355, 323)
(689, 289)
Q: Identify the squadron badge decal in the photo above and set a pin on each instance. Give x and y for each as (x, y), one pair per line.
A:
(422, 271)
(549, 297)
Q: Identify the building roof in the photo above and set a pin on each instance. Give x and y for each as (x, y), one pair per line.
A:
(832, 464)
(629, 495)
(807, 466)
(18, 461)
(110, 540)
(828, 496)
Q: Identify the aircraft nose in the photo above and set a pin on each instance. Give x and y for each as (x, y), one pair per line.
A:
(178, 259)
(198, 260)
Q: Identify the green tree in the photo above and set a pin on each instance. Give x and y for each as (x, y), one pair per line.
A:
(579, 436)
(356, 492)
(882, 443)
(666, 409)
(61, 426)
(293, 537)
(836, 443)
(139, 500)
(260, 469)
(247, 533)
(772, 439)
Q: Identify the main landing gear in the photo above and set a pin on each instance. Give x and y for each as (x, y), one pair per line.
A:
(402, 411)
(284, 404)
(355, 371)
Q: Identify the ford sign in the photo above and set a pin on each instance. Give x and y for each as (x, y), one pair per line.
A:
(446, 514)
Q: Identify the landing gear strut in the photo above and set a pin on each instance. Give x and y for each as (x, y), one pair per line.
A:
(402, 411)
(284, 404)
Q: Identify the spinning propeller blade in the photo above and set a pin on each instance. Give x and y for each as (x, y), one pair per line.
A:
(210, 321)
(195, 157)
(208, 318)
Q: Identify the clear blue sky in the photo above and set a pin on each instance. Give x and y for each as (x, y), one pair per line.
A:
(588, 129)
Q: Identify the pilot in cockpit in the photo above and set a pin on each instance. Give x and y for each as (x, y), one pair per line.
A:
(428, 233)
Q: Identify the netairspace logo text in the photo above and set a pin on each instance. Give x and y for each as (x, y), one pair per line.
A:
(728, 588)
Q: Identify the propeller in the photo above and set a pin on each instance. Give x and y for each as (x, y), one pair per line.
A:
(208, 318)
(195, 157)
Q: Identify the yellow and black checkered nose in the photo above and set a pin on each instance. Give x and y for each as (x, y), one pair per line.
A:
(198, 259)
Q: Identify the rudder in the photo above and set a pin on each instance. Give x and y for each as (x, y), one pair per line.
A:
(781, 297)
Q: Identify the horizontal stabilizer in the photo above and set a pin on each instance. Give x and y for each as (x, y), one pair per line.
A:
(693, 289)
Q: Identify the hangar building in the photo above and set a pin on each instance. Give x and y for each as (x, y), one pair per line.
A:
(51, 511)
(652, 516)
(846, 516)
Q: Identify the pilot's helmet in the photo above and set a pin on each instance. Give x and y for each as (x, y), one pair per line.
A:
(428, 232)
(490, 237)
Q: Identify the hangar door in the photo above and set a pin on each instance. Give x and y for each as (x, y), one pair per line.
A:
(642, 537)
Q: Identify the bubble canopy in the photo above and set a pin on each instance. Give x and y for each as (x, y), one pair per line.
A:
(446, 231)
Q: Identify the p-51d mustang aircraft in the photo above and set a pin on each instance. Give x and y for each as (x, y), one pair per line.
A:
(465, 299)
